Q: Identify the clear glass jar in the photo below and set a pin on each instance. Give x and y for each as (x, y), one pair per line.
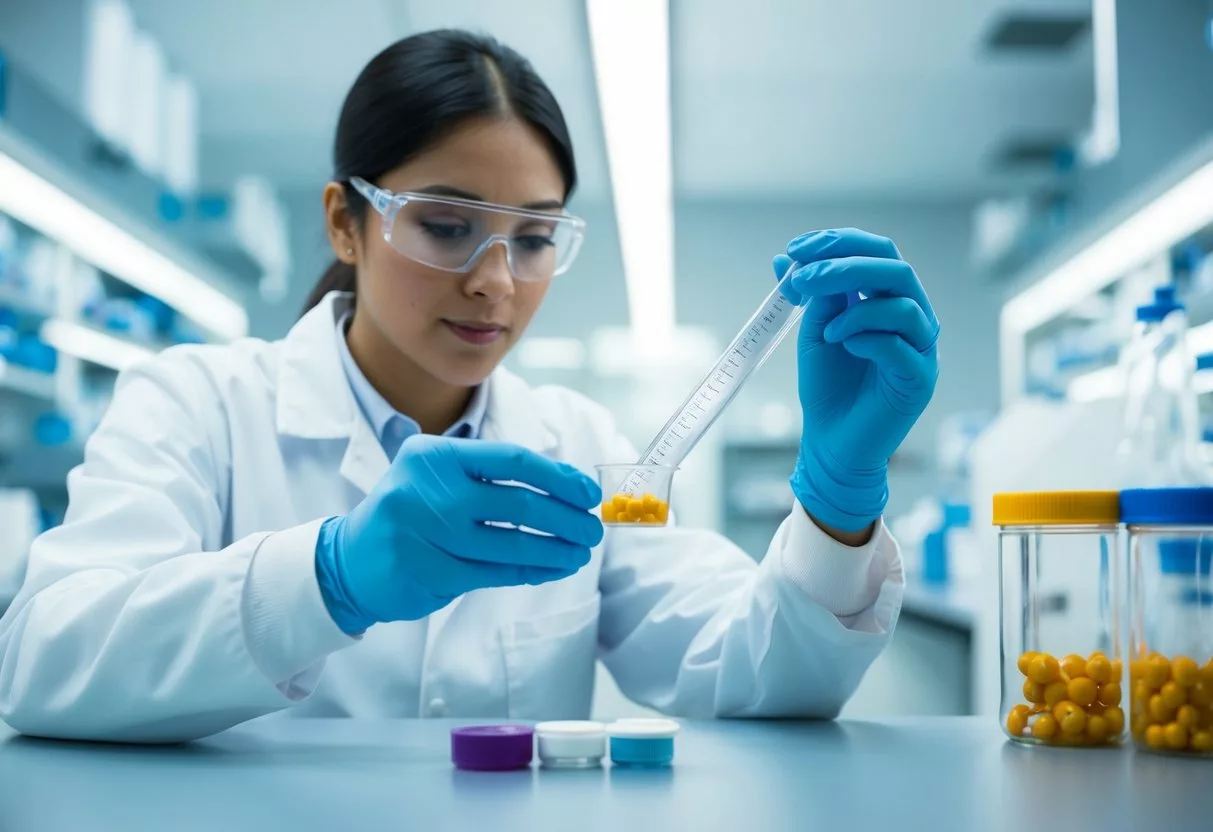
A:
(1060, 611)
(1171, 618)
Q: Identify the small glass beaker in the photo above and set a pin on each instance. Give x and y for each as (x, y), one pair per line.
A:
(634, 494)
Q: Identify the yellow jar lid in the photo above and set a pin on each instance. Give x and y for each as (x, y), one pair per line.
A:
(1057, 508)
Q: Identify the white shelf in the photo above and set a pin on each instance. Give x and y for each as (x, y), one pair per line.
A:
(14, 300)
(1172, 208)
(41, 194)
(94, 345)
(26, 382)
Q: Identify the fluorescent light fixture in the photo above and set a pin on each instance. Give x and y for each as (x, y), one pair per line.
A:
(43, 206)
(1175, 215)
(552, 353)
(630, 40)
(92, 345)
(1102, 142)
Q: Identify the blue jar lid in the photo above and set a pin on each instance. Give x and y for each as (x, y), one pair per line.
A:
(1178, 556)
(1167, 506)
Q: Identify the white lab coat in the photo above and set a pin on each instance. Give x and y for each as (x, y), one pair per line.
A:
(179, 596)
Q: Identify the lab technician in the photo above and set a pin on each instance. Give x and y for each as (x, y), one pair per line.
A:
(300, 525)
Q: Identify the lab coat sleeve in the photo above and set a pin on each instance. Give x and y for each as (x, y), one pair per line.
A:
(692, 626)
(134, 624)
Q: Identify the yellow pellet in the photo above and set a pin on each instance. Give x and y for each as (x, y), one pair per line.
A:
(1185, 671)
(1176, 736)
(1082, 691)
(1070, 717)
(1033, 691)
(1116, 720)
(1155, 737)
(1099, 668)
(1202, 741)
(1044, 727)
(1141, 691)
(1158, 711)
(1024, 661)
(1109, 693)
(1158, 671)
(1044, 669)
(1055, 692)
(1116, 670)
(1173, 695)
(1017, 720)
(1074, 666)
(1097, 728)
(643, 510)
(1188, 717)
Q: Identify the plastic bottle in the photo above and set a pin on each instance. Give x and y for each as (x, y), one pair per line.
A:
(1160, 435)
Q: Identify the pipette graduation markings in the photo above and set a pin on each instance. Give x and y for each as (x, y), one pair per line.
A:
(747, 352)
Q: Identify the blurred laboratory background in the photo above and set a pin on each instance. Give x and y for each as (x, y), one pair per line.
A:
(1046, 165)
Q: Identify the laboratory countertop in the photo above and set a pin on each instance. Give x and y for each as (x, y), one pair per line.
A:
(938, 774)
(955, 604)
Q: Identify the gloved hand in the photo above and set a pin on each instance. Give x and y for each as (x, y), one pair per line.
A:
(867, 369)
(419, 539)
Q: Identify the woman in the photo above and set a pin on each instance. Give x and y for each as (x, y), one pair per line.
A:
(301, 525)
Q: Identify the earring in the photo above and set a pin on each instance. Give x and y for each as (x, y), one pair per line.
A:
(349, 252)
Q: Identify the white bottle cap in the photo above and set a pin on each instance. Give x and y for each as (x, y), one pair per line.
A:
(643, 728)
(571, 743)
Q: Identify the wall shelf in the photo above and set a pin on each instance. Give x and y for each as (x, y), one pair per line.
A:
(55, 178)
(19, 380)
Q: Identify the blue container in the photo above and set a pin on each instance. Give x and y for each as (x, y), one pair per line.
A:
(642, 743)
(1179, 556)
(51, 429)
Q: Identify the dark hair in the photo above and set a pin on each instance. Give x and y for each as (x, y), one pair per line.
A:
(416, 91)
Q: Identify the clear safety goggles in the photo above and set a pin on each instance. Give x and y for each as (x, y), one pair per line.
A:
(453, 234)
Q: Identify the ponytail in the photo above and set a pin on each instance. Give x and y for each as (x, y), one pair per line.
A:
(338, 277)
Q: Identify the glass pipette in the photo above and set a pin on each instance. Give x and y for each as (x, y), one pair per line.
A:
(747, 352)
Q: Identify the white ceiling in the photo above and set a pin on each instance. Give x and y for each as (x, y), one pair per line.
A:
(868, 98)
(272, 76)
(863, 98)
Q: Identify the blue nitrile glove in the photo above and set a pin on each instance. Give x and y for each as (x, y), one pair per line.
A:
(867, 369)
(419, 538)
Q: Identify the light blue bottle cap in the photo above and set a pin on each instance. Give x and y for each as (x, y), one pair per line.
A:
(645, 743)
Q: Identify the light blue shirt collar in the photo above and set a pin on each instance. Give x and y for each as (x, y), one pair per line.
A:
(392, 427)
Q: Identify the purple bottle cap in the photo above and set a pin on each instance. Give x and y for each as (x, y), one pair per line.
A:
(492, 747)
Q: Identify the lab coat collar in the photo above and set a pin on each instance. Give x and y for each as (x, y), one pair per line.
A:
(315, 400)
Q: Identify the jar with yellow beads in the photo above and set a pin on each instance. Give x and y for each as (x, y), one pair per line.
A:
(1060, 612)
(1171, 618)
